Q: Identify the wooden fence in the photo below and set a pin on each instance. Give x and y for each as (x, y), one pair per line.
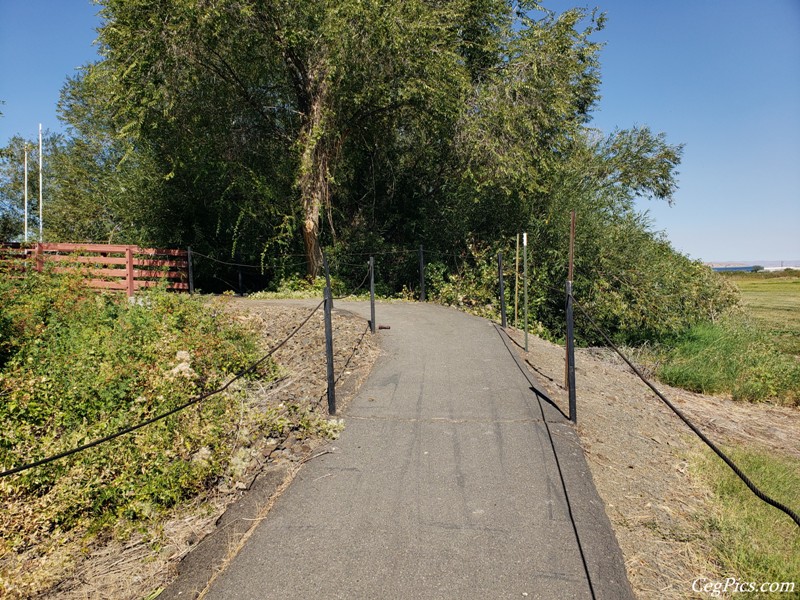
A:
(106, 266)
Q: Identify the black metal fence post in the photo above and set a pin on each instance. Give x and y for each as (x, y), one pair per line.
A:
(421, 275)
(329, 350)
(372, 325)
(502, 289)
(571, 356)
(525, 283)
(191, 272)
(327, 275)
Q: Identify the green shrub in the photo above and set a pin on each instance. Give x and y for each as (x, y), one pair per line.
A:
(79, 365)
(299, 287)
(472, 287)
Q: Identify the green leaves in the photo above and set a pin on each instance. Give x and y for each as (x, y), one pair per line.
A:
(639, 162)
(268, 129)
(80, 366)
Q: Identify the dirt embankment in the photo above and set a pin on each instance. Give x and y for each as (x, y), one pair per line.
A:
(638, 451)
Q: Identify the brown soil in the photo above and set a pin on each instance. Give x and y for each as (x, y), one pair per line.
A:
(638, 451)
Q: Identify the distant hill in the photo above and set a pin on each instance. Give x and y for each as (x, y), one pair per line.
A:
(767, 264)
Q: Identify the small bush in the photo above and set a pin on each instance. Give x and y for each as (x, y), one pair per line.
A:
(472, 286)
(297, 287)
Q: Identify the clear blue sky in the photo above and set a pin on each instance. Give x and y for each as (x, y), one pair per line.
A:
(720, 76)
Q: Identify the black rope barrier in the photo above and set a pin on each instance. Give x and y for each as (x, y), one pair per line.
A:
(338, 263)
(152, 420)
(355, 289)
(733, 466)
(379, 253)
(276, 264)
(229, 264)
(346, 364)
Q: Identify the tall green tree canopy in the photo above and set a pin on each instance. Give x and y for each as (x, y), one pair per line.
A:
(267, 128)
(277, 95)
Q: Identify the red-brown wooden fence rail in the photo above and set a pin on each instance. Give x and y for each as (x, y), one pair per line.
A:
(107, 266)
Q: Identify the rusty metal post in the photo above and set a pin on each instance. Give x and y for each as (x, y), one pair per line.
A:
(569, 374)
(129, 270)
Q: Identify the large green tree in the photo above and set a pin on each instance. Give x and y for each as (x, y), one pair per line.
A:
(278, 88)
(110, 189)
(266, 128)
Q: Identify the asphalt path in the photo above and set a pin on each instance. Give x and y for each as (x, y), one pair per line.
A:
(454, 478)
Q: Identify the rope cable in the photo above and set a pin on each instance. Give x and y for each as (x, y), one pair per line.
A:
(355, 289)
(734, 467)
(346, 364)
(183, 406)
(222, 262)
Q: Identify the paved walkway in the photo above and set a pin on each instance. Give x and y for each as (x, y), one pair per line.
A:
(444, 484)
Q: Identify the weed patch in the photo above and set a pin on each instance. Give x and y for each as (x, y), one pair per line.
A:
(732, 357)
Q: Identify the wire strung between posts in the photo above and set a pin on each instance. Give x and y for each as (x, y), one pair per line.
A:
(734, 467)
(346, 364)
(383, 252)
(195, 400)
(355, 289)
(230, 264)
(293, 265)
(340, 263)
(225, 281)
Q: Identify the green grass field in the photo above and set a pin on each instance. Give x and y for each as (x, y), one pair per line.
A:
(773, 301)
(752, 355)
(754, 541)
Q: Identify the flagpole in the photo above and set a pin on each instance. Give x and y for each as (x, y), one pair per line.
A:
(25, 195)
(41, 239)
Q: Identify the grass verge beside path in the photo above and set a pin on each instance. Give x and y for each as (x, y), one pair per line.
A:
(754, 542)
(754, 355)
(76, 366)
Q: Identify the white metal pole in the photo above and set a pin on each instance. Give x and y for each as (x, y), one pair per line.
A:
(40, 184)
(25, 195)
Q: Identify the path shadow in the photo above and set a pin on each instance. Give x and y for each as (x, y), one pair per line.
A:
(535, 386)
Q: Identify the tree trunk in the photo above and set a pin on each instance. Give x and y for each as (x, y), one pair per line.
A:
(313, 181)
